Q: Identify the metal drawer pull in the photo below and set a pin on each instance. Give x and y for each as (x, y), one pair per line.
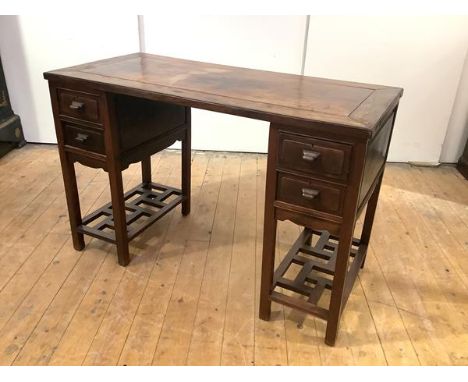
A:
(80, 137)
(310, 155)
(309, 193)
(75, 105)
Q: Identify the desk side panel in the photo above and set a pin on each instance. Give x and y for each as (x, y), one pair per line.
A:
(141, 120)
(376, 156)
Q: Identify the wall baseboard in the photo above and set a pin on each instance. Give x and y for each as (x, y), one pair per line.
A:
(425, 164)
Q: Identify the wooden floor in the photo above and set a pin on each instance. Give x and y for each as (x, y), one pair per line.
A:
(190, 294)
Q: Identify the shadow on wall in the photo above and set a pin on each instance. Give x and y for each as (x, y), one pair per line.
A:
(457, 130)
(16, 74)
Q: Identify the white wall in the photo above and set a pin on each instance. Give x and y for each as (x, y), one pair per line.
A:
(259, 42)
(424, 55)
(457, 131)
(30, 46)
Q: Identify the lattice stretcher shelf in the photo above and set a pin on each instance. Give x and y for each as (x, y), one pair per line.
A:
(144, 205)
(307, 271)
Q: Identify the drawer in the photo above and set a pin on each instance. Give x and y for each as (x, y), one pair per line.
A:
(310, 193)
(83, 138)
(314, 156)
(79, 105)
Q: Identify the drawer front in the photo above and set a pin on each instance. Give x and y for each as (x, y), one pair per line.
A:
(310, 193)
(314, 156)
(83, 138)
(79, 105)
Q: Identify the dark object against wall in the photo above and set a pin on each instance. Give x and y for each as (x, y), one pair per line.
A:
(462, 164)
(11, 132)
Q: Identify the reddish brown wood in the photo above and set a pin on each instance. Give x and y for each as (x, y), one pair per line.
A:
(462, 164)
(110, 131)
(376, 156)
(141, 121)
(79, 105)
(317, 270)
(346, 235)
(269, 228)
(327, 149)
(312, 194)
(146, 172)
(144, 204)
(275, 97)
(69, 177)
(370, 214)
(186, 162)
(299, 305)
(111, 136)
(323, 159)
(84, 138)
(73, 200)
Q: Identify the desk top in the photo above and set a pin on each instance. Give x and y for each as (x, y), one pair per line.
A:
(265, 95)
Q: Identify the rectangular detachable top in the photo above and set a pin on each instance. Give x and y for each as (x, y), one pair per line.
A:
(258, 94)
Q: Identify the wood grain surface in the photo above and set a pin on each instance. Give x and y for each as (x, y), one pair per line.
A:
(192, 298)
(275, 97)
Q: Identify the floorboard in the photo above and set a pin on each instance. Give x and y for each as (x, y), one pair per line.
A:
(190, 294)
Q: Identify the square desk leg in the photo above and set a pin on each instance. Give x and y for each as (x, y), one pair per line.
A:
(338, 299)
(370, 214)
(342, 286)
(114, 168)
(120, 219)
(73, 200)
(269, 229)
(186, 163)
(146, 172)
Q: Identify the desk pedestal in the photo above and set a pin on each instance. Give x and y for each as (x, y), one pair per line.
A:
(111, 131)
(323, 183)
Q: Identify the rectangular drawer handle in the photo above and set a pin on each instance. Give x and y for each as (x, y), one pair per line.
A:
(310, 155)
(75, 105)
(80, 137)
(309, 193)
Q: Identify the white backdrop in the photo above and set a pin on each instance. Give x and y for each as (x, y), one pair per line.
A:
(423, 55)
(31, 45)
(457, 130)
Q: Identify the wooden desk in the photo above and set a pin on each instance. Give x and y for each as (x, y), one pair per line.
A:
(327, 149)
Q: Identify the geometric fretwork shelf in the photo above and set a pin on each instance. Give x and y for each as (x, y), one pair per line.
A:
(307, 272)
(144, 205)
